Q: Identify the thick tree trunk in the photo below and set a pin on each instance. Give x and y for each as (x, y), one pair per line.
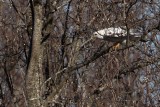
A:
(34, 77)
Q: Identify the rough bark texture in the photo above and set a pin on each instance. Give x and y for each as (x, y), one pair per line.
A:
(34, 75)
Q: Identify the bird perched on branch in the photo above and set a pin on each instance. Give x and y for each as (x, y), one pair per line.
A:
(117, 35)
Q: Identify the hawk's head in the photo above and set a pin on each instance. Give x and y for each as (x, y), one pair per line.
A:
(99, 34)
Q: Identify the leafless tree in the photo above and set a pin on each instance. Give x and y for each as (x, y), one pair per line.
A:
(49, 58)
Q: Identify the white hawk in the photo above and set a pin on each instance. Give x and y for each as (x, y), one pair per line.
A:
(118, 35)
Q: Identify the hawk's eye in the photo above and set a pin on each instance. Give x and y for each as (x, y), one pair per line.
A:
(95, 34)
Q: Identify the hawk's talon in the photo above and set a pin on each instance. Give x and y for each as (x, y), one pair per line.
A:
(116, 46)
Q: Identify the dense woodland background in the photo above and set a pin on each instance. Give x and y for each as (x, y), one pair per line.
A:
(45, 60)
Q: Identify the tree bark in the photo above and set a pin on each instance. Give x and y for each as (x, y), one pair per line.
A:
(34, 77)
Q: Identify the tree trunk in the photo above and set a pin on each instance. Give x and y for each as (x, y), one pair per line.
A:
(34, 77)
